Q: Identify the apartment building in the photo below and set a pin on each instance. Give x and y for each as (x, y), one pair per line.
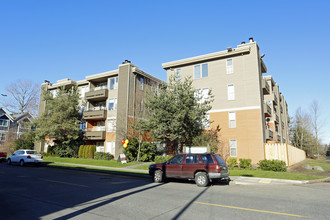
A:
(110, 103)
(12, 125)
(248, 106)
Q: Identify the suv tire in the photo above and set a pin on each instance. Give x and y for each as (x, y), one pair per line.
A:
(9, 161)
(21, 163)
(201, 179)
(158, 176)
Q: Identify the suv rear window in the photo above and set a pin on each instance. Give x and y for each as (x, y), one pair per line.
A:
(207, 158)
(220, 161)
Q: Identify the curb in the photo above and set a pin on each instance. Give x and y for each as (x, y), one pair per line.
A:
(319, 180)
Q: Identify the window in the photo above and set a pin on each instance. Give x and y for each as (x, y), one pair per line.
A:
(207, 158)
(114, 83)
(3, 124)
(99, 146)
(101, 85)
(111, 146)
(206, 122)
(202, 95)
(141, 106)
(82, 126)
(201, 74)
(54, 93)
(176, 159)
(231, 92)
(83, 90)
(111, 125)
(178, 74)
(2, 137)
(232, 119)
(141, 82)
(113, 104)
(230, 67)
(191, 159)
(233, 148)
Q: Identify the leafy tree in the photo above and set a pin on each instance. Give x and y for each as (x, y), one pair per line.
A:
(177, 112)
(60, 121)
(26, 141)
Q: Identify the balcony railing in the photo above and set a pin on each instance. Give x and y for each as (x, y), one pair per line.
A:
(95, 135)
(267, 110)
(94, 113)
(277, 119)
(269, 134)
(265, 87)
(97, 94)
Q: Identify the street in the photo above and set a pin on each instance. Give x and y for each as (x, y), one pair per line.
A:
(49, 193)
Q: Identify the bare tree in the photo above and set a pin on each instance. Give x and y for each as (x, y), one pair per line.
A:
(23, 96)
(316, 122)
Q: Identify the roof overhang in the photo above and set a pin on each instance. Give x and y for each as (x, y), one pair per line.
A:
(207, 57)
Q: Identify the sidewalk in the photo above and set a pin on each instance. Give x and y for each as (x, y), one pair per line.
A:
(238, 180)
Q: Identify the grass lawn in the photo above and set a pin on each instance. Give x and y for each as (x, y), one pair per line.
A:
(296, 174)
(92, 168)
(274, 175)
(106, 163)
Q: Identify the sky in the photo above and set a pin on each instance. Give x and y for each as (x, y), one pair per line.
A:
(52, 40)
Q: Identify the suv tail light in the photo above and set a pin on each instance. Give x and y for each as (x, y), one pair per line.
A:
(42, 157)
(29, 157)
(217, 168)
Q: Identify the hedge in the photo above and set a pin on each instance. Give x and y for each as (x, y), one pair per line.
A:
(162, 159)
(245, 163)
(103, 156)
(273, 165)
(86, 151)
(232, 162)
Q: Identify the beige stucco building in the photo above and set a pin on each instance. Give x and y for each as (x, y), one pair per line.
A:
(110, 103)
(248, 106)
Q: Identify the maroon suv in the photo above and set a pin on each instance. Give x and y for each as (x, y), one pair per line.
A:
(203, 168)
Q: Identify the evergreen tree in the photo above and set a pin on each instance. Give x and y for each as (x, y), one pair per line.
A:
(177, 112)
(60, 120)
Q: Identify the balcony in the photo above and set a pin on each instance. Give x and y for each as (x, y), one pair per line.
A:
(95, 113)
(97, 94)
(97, 133)
(277, 119)
(265, 87)
(269, 134)
(267, 110)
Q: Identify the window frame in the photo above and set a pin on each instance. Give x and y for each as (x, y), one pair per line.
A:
(230, 68)
(115, 83)
(201, 71)
(229, 120)
(231, 95)
(114, 101)
(233, 147)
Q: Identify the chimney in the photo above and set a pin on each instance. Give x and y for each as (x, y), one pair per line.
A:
(251, 39)
(126, 61)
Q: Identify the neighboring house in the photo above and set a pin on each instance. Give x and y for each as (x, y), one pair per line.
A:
(12, 124)
(110, 103)
(248, 106)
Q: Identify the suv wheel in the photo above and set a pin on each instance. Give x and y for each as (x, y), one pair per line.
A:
(9, 161)
(158, 176)
(21, 163)
(201, 179)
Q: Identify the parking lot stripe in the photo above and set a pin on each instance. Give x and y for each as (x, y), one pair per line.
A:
(252, 210)
(54, 181)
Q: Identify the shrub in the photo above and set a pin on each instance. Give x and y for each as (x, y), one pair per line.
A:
(148, 151)
(232, 162)
(103, 156)
(51, 151)
(81, 150)
(245, 163)
(273, 165)
(162, 159)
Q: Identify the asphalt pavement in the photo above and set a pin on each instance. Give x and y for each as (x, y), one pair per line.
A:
(36, 192)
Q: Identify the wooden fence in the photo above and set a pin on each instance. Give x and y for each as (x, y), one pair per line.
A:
(285, 152)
